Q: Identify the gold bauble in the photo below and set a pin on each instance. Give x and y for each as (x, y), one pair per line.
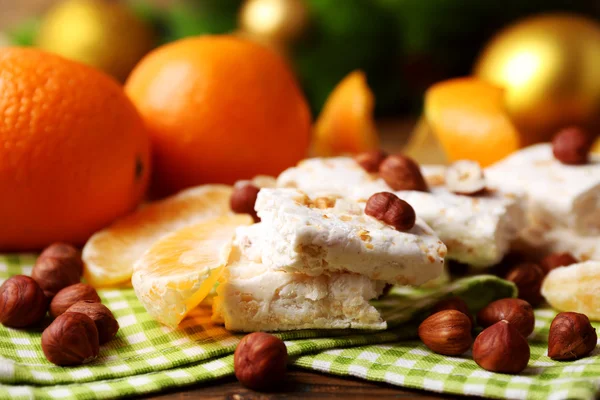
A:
(274, 22)
(102, 33)
(550, 67)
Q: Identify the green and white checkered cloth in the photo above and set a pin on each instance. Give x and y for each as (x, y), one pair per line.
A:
(146, 357)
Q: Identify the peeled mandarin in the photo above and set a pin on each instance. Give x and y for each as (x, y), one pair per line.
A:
(469, 118)
(574, 288)
(109, 254)
(346, 123)
(180, 269)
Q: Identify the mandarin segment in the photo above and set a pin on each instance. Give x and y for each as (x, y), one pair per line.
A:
(346, 123)
(469, 118)
(574, 288)
(109, 255)
(180, 269)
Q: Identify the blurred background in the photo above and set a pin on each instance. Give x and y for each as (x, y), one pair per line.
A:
(403, 46)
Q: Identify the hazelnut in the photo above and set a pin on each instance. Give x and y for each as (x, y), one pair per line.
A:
(571, 336)
(453, 303)
(22, 302)
(71, 295)
(370, 160)
(71, 339)
(528, 277)
(260, 361)
(516, 311)
(501, 348)
(465, 177)
(572, 146)
(402, 173)
(60, 265)
(556, 260)
(104, 319)
(390, 209)
(447, 332)
(243, 198)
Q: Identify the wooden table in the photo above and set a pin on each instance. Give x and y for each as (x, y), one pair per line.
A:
(300, 385)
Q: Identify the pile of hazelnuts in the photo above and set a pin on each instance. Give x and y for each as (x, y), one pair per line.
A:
(502, 345)
(81, 322)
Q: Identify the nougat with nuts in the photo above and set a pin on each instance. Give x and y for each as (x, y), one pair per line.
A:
(317, 235)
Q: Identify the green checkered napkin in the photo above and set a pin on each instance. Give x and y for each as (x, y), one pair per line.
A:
(146, 357)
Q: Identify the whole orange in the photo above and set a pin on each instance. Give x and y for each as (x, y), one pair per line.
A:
(219, 108)
(74, 152)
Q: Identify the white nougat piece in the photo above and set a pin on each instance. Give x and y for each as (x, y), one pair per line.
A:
(558, 240)
(559, 195)
(341, 176)
(324, 235)
(477, 230)
(253, 297)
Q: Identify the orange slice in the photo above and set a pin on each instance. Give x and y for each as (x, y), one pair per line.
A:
(346, 123)
(574, 288)
(109, 254)
(469, 118)
(179, 270)
(596, 147)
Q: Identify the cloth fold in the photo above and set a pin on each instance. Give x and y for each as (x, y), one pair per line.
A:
(146, 357)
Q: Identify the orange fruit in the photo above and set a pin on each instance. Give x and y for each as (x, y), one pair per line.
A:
(74, 152)
(469, 118)
(219, 109)
(109, 255)
(180, 269)
(346, 123)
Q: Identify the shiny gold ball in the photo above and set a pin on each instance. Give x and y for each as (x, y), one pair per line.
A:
(275, 21)
(550, 67)
(101, 33)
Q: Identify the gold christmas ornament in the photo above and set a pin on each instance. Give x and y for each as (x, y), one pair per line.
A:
(274, 22)
(102, 33)
(550, 67)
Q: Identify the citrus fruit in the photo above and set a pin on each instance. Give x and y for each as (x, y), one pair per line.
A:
(219, 109)
(574, 288)
(469, 118)
(74, 152)
(180, 269)
(346, 123)
(109, 255)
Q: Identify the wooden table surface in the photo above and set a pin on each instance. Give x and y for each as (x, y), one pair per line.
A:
(300, 385)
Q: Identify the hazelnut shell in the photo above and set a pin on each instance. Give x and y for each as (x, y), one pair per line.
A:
(390, 209)
(453, 303)
(402, 173)
(447, 332)
(104, 319)
(516, 311)
(60, 265)
(571, 336)
(243, 199)
(71, 339)
(260, 361)
(572, 146)
(371, 160)
(501, 348)
(556, 260)
(528, 278)
(71, 295)
(22, 302)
